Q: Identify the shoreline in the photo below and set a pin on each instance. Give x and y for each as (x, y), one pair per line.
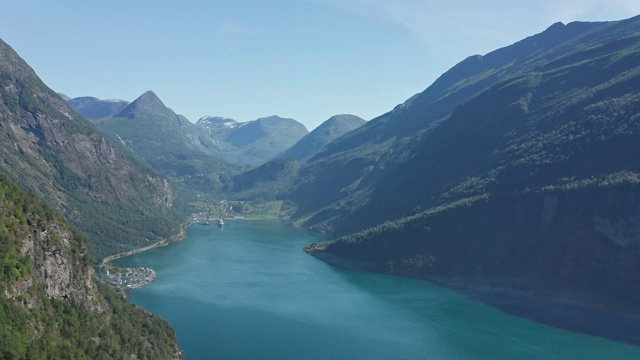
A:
(105, 265)
(181, 235)
(563, 311)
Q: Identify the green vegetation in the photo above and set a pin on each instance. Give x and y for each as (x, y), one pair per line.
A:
(260, 210)
(267, 182)
(66, 330)
(119, 202)
(517, 167)
(95, 323)
(233, 209)
(553, 109)
(172, 145)
(253, 142)
(316, 140)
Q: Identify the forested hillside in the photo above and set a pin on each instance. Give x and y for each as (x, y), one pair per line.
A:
(50, 306)
(517, 167)
(101, 188)
(171, 144)
(316, 140)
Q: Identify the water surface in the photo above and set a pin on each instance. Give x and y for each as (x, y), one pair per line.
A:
(248, 291)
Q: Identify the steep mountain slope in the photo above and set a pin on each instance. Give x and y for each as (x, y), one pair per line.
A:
(168, 142)
(117, 201)
(521, 174)
(152, 130)
(94, 108)
(432, 143)
(270, 181)
(50, 306)
(316, 140)
(64, 96)
(253, 142)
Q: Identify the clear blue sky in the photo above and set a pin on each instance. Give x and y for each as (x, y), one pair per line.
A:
(304, 59)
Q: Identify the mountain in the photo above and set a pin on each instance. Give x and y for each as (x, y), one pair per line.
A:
(169, 142)
(51, 306)
(152, 130)
(513, 177)
(217, 122)
(270, 181)
(94, 108)
(431, 144)
(317, 139)
(64, 96)
(253, 142)
(45, 146)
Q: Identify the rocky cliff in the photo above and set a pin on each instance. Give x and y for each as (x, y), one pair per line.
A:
(50, 305)
(57, 257)
(46, 146)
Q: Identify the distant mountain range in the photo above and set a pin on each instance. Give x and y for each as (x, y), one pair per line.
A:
(170, 143)
(158, 131)
(253, 142)
(512, 175)
(95, 108)
(316, 140)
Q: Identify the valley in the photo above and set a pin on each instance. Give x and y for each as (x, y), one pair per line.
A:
(513, 179)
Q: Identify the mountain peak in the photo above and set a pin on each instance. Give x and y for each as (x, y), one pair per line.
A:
(316, 140)
(271, 118)
(149, 97)
(340, 118)
(148, 102)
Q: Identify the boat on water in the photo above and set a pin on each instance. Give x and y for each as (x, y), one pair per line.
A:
(220, 222)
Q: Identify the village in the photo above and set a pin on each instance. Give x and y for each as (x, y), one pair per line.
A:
(129, 278)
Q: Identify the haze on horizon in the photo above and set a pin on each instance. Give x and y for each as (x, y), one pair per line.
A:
(305, 59)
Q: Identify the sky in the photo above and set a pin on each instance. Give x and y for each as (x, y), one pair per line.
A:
(246, 59)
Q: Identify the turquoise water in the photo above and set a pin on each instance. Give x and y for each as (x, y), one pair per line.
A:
(248, 291)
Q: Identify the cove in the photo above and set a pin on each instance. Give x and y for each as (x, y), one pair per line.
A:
(248, 291)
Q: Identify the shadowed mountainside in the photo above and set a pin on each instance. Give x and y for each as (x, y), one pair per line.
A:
(316, 140)
(45, 146)
(516, 170)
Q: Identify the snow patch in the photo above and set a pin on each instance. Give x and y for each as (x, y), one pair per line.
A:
(112, 100)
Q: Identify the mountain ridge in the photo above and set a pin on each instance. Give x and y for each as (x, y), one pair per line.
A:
(94, 108)
(316, 140)
(509, 178)
(253, 142)
(47, 147)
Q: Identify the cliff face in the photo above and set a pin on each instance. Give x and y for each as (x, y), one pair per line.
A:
(46, 146)
(56, 256)
(50, 306)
